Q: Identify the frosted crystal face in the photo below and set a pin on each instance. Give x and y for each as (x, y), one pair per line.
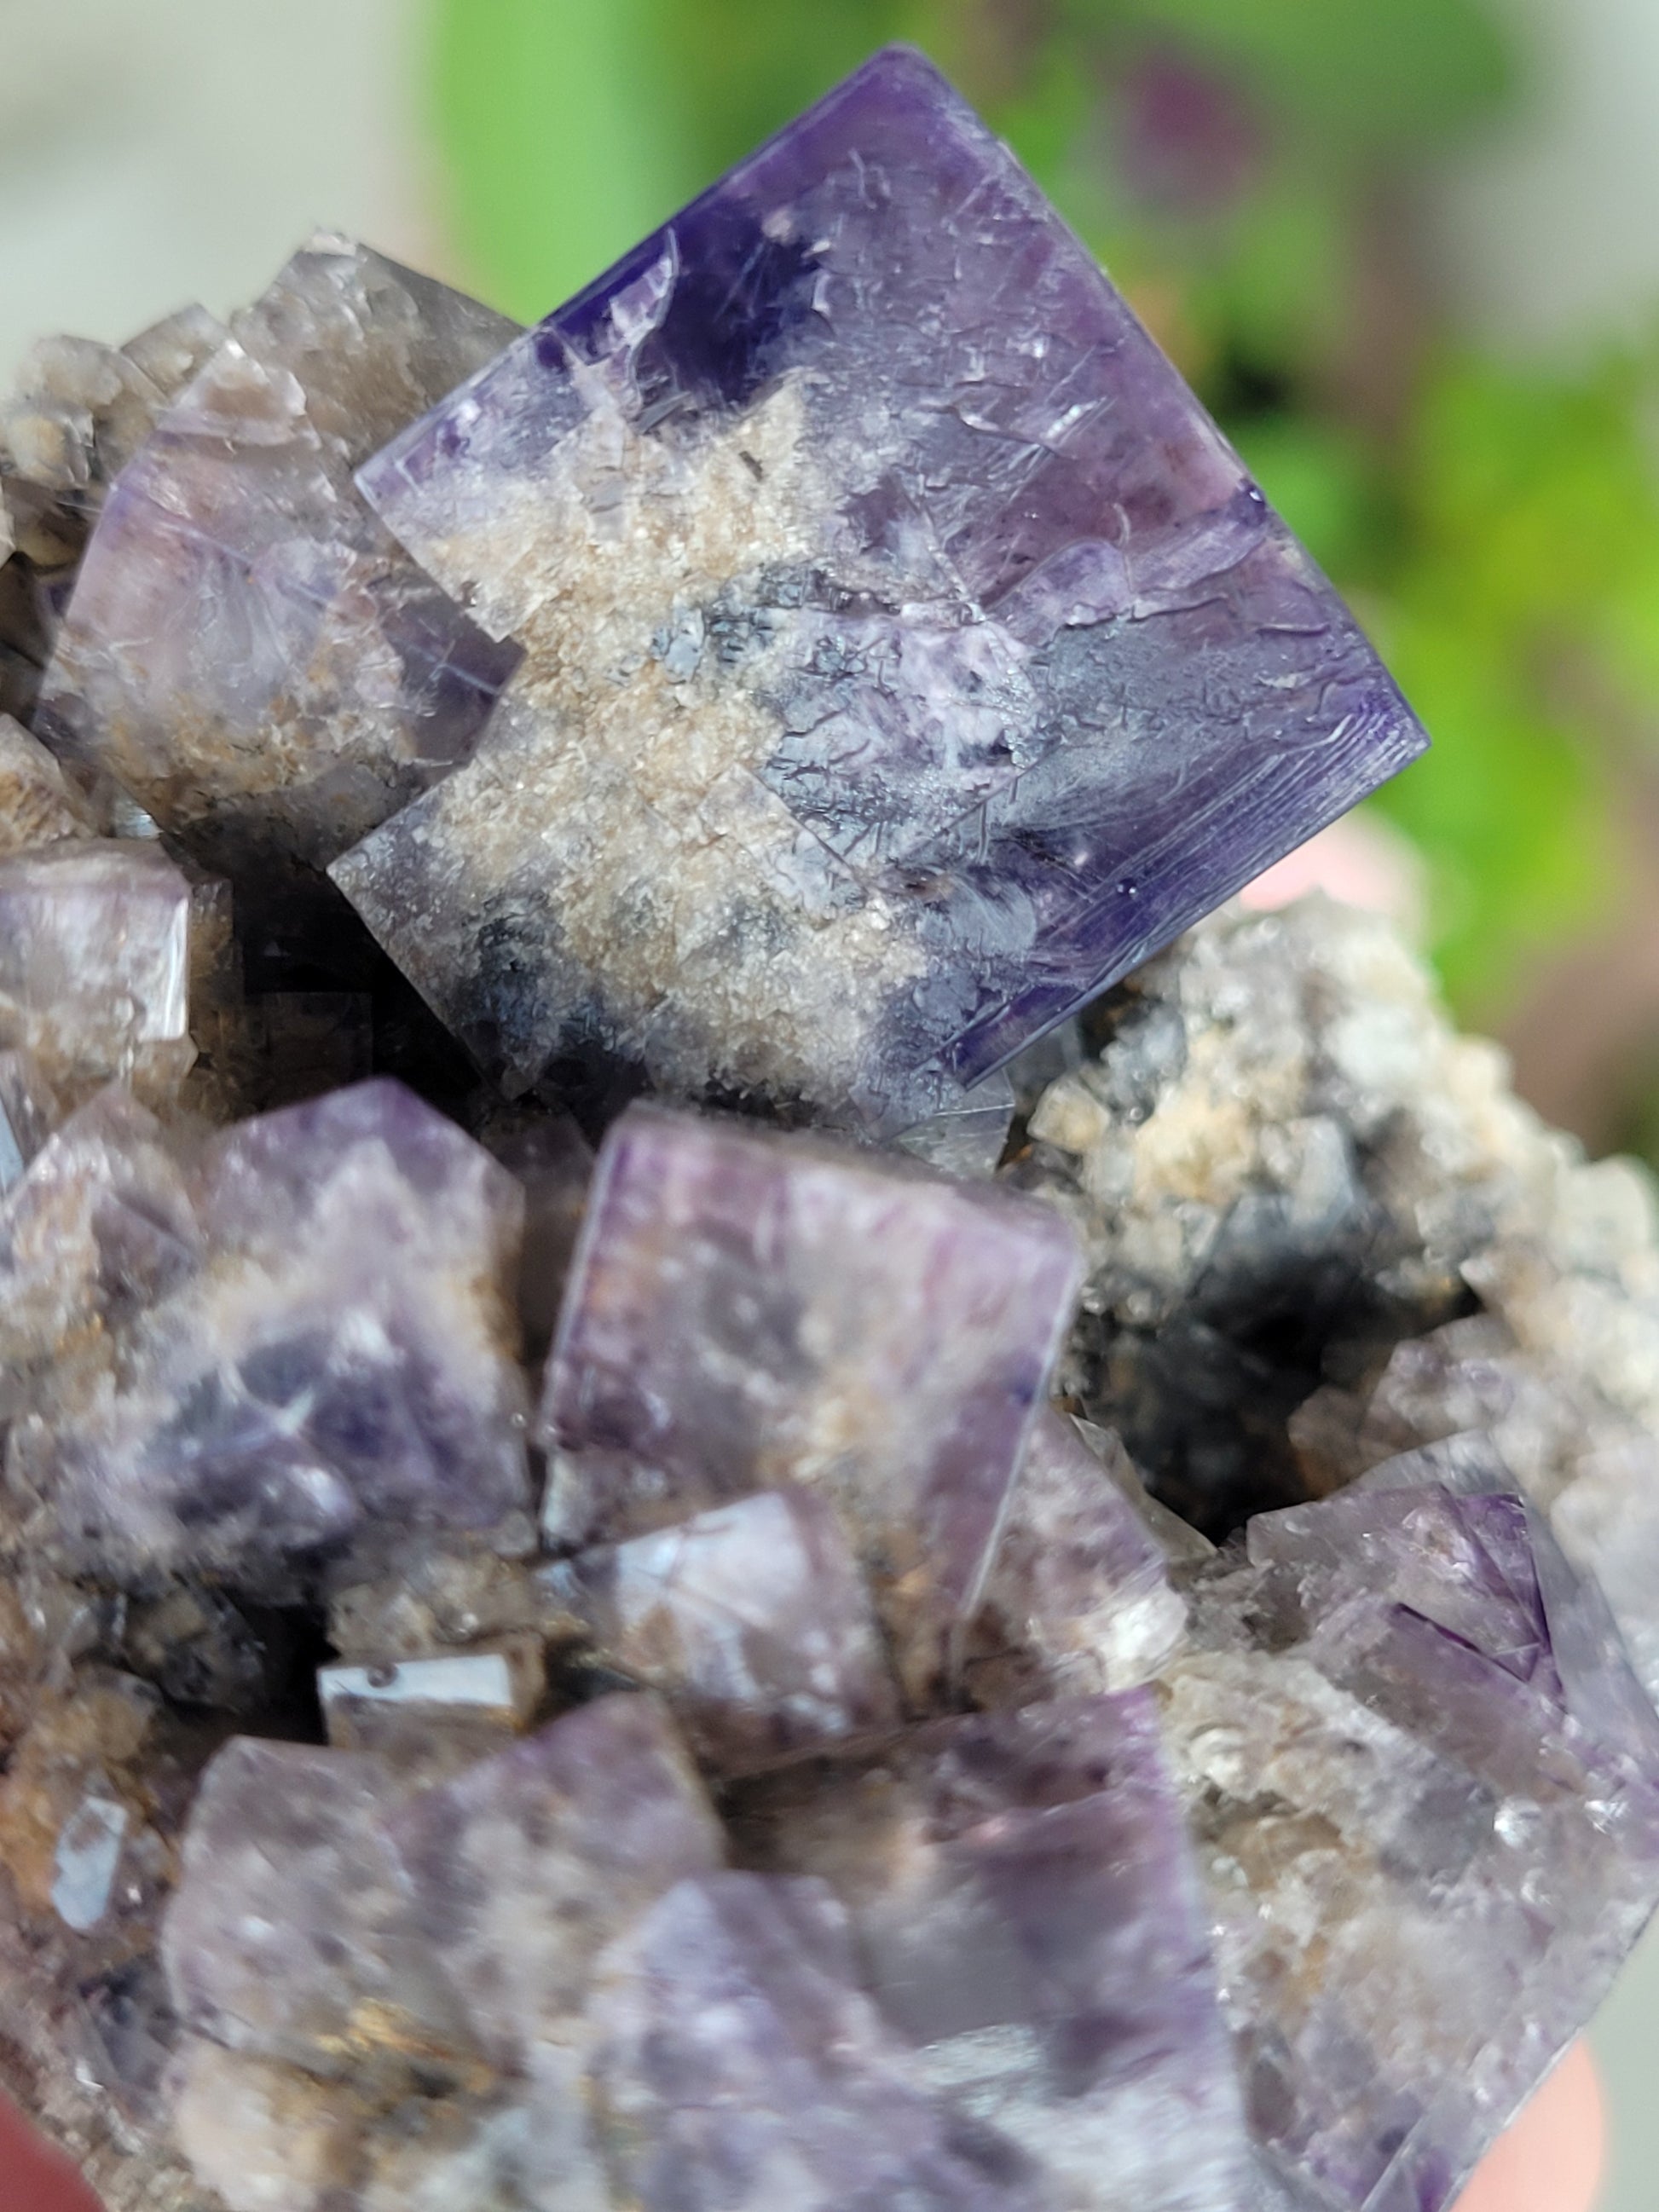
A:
(748, 1310)
(247, 652)
(269, 1379)
(1382, 1671)
(292, 1935)
(740, 2067)
(907, 655)
(95, 957)
(523, 1867)
(753, 1620)
(1027, 1916)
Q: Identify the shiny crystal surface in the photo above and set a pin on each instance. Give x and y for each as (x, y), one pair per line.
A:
(753, 1620)
(907, 655)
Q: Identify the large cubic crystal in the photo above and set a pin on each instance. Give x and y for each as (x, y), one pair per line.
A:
(907, 655)
(247, 652)
(293, 1935)
(268, 1377)
(383, 1984)
(1028, 1918)
(748, 1309)
(1375, 1744)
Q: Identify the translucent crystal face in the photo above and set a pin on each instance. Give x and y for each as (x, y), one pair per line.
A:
(747, 1308)
(247, 652)
(95, 943)
(906, 653)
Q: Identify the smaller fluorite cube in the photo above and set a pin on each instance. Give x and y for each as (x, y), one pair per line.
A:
(282, 1379)
(740, 2066)
(753, 1621)
(523, 1866)
(292, 1935)
(750, 1310)
(1584, 1651)
(74, 417)
(247, 652)
(1029, 1918)
(1465, 1563)
(1381, 1672)
(94, 959)
(1078, 1598)
(448, 1706)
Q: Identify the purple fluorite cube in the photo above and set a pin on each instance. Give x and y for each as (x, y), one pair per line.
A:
(740, 2068)
(1029, 1918)
(1381, 1673)
(1078, 1598)
(525, 1865)
(753, 1620)
(907, 655)
(311, 1345)
(748, 1309)
(95, 959)
(293, 1933)
(248, 652)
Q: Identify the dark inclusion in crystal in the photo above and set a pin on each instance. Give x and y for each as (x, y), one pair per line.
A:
(907, 655)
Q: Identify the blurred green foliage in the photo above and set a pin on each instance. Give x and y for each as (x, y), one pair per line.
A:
(1243, 167)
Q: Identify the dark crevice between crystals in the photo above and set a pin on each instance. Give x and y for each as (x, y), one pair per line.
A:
(1203, 1399)
(210, 1656)
(1204, 1402)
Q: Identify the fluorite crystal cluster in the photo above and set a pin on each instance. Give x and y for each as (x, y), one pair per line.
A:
(564, 1648)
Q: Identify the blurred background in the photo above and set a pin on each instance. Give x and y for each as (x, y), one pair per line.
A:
(1406, 249)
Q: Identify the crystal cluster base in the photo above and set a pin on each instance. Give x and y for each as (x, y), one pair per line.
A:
(563, 1649)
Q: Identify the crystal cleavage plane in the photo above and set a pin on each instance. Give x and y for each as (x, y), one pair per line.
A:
(906, 654)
